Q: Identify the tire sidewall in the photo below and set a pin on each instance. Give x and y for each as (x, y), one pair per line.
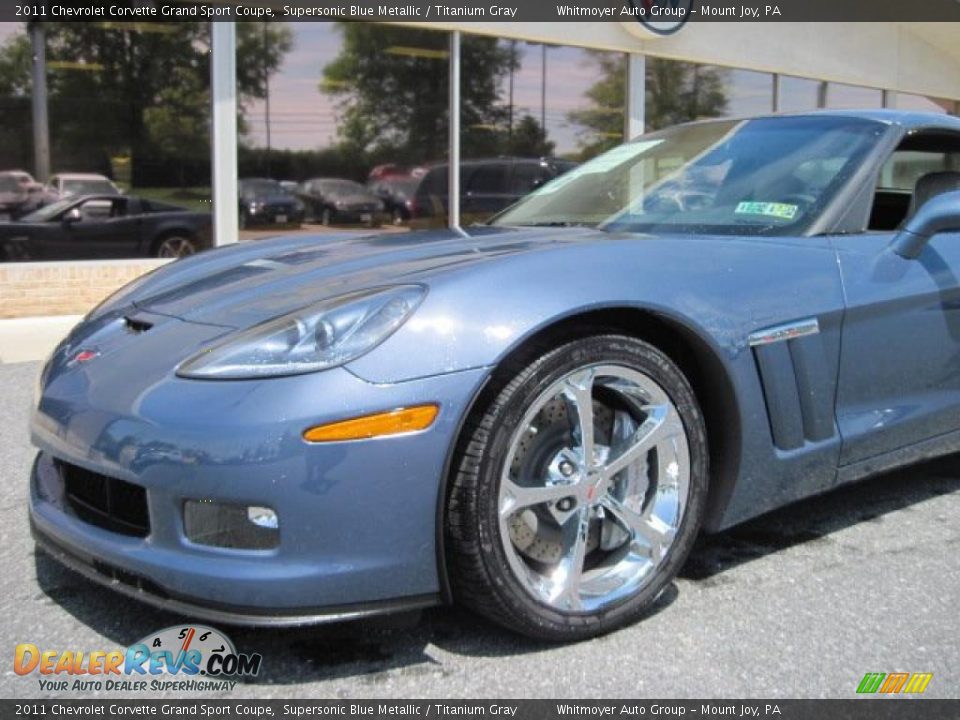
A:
(508, 411)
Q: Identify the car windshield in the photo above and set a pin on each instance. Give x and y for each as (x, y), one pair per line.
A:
(48, 212)
(88, 187)
(769, 176)
(263, 187)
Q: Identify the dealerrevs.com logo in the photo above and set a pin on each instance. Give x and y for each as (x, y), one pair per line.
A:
(179, 658)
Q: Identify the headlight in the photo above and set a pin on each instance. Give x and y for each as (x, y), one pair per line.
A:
(317, 337)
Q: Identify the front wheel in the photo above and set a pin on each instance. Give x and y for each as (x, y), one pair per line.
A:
(579, 490)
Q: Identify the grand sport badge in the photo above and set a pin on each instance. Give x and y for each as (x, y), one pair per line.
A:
(182, 652)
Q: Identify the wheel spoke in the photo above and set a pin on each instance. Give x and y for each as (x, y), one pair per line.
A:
(578, 393)
(650, 530)
(565, 578)
(660, 424)
(516, 497)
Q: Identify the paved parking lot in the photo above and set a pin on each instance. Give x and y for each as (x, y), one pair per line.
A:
(800, 603)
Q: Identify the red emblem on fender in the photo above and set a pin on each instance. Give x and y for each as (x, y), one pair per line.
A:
(84, 356)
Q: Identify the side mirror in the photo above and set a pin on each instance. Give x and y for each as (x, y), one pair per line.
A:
(72, 215)
(938, 214)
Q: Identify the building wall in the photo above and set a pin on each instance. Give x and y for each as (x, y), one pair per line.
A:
(64, 288)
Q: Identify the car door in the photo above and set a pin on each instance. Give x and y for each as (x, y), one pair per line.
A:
(899, 381)
(485, 191)
(104, 229)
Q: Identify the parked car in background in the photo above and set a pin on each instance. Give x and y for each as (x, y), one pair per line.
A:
(396, 193)
(105, 226)
(19, 194)
(266, 202)
(486, 186)
(290, 186)
(332, 200)
(64, 185)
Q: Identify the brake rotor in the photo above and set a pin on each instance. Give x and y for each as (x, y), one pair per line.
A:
(533, 531)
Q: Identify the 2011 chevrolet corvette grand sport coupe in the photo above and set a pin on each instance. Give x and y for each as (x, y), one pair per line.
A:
(534, 417)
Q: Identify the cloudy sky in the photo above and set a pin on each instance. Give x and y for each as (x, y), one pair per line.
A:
(302, 117)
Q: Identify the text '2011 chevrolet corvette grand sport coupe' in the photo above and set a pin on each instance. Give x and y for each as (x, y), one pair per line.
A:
(534, 417)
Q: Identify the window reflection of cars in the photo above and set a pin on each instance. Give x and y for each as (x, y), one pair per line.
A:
(64, 185)
(267, 202)
(486, 186)
(396, 193)
(105, 226)
(19, 194)
(332, 200)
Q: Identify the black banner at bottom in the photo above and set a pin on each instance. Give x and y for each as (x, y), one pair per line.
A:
(854, 709)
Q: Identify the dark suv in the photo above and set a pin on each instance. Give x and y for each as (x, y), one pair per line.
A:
(486, 187)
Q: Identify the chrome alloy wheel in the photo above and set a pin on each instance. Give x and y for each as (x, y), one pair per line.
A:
(175, 247)
(594, 488)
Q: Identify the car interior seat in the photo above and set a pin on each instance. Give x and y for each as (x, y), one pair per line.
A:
(930, 185)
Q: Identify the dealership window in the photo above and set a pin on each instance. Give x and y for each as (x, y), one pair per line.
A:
(748, 92)
(530, 112)
(352, 118)
(127, 108)
(846, 97)
(798, 94)
(680, 91)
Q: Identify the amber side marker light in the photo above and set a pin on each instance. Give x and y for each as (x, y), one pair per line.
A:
(391, 422)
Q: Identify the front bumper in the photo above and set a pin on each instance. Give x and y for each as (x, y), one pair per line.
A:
(358, 520)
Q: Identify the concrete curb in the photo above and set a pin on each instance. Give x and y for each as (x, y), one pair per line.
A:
(33, 338)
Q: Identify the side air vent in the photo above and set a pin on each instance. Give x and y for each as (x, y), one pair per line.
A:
(792, 364)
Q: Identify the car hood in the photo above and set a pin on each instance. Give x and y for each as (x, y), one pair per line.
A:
(248, 283)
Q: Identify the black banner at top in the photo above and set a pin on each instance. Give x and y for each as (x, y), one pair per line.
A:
(656, 16)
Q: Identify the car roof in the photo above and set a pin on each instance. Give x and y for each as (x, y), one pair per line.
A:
(81, 176)
(909, 119)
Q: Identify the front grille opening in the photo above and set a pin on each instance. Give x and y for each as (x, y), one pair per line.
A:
(106, 502)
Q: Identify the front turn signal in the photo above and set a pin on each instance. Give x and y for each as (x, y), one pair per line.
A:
(391, 422)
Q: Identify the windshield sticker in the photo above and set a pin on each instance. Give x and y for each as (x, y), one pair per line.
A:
(600, 164)
(768, 209)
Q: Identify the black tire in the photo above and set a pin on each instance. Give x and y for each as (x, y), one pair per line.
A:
(480, 572)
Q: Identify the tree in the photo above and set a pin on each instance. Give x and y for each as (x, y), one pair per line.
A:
(529, 139)
(675, 92)
(392, 83)
(137, 88)
(15, 61)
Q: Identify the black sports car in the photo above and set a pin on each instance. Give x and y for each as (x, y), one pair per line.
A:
(105, 226)
(268, 202)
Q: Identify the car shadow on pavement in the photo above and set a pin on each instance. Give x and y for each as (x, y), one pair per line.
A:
(815, 519)
(414, 644)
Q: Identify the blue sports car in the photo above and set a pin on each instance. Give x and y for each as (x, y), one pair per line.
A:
(534, 417)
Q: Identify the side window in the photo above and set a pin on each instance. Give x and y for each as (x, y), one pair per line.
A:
(526, 178)
(917, 158)
(488, 180)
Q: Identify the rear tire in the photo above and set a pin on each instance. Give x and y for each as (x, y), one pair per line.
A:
(551, 543)
(175, 246)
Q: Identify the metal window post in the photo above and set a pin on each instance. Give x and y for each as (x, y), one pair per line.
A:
(775, 101)
(636, 96)
(41, 129)
(453, 161)
(823, 94)
(889, 99)
(223, 81)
